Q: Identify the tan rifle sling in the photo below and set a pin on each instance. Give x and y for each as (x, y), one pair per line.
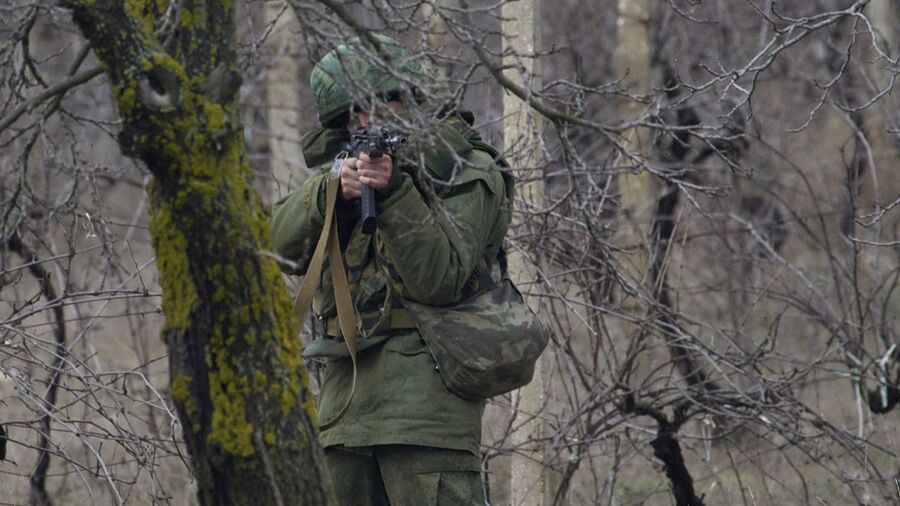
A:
(328, 240)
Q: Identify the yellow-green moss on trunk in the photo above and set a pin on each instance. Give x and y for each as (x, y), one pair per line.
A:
(234, 353)
(252, 309)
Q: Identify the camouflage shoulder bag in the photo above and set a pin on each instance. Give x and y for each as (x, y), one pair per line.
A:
(485, 345)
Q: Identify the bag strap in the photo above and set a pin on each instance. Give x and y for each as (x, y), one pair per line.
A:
(328, 240)
(399, 320)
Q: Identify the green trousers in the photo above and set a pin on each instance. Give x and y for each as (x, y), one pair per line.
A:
(403, 475)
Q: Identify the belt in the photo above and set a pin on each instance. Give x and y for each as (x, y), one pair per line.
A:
(400, 319)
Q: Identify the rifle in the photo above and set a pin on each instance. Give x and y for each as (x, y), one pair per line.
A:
(375, 143)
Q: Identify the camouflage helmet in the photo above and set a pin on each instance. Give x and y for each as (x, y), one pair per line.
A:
(344, 73)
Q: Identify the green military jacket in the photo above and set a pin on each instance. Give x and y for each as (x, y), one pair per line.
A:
(437, 233)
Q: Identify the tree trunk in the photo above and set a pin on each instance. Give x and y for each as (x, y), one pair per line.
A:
(632, 61)
(886, 21)
(283, 106)
(237, 378)
(437, 31)
(521, 131)
(885, 18)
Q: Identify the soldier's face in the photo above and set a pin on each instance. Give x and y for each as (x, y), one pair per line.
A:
(362, 117)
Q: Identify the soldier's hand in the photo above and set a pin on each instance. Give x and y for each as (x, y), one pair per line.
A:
(374, 172)
(351, 188)
(356, 172)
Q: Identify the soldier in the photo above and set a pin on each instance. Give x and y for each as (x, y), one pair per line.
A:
(404, 438)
